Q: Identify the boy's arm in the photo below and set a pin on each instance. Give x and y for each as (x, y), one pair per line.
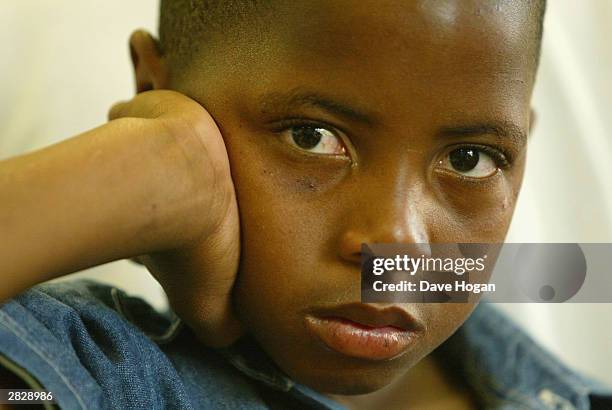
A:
(154, 180)
(98, 197)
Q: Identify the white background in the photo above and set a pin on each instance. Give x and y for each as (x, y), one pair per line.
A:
(64, 62)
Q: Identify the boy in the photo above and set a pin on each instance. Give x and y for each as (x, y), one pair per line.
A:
(343, 123)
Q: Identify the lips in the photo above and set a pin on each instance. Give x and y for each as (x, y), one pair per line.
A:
(365, 331)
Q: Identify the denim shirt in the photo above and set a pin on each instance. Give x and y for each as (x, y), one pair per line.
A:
(95, 347)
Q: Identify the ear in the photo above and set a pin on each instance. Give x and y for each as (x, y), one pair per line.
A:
(533, 117)
(150, 70)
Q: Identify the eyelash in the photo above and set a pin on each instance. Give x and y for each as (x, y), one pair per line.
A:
(288, 123)
(502, 159)
(293, 123)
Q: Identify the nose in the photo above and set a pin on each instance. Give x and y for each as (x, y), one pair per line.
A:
(397, 214)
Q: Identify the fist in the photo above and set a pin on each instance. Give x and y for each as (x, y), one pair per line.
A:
(199, 265)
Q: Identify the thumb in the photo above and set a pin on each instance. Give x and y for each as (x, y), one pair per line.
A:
(117, 110)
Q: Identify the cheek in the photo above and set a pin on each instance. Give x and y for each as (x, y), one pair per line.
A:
(288, 223)
(442, 320)
(477, 211)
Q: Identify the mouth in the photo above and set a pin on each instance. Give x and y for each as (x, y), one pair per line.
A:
(366, 331)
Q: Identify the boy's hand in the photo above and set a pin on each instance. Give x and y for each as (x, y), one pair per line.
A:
(198, 273)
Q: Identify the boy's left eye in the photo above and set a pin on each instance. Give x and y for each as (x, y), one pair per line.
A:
(472, 162)
(314, 139)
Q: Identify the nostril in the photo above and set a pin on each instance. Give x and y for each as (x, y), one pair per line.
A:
(350, 246)
(353, 257)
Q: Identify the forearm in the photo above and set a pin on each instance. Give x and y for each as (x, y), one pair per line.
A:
(87, 201)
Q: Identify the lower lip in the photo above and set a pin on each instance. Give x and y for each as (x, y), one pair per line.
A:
(355, 340)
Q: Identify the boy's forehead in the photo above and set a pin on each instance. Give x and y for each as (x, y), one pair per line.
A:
(347, 27)
(418, 15)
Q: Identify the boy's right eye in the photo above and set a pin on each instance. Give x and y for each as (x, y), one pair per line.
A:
(314, 139)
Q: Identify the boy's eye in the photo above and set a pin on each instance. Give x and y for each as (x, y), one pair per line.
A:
(315, 139)
(472, 162)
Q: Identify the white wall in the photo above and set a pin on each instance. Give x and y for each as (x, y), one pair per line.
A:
(567, 193)
(63, 63)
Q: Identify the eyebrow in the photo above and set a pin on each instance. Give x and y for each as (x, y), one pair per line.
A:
(298, 98)
(505, 130)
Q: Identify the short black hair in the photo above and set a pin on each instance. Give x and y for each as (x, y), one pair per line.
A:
(185, 24)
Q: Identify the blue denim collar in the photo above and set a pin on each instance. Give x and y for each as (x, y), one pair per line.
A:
(507, 369)
(503, 367)
(250, 359)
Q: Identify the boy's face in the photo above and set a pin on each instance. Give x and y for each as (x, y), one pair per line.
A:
(345, 123)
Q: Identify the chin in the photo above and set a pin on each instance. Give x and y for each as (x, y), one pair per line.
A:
(355, 389)
(348, 381)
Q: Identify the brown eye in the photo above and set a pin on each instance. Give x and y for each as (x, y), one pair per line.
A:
(471, 162)
(314, 139)
(307, 137)
(464, 159)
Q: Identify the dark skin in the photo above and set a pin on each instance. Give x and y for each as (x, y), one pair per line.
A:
(395, 87)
